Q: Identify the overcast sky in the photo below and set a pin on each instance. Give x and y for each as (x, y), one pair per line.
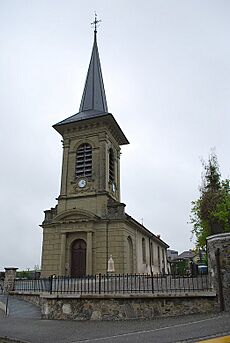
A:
(166, 72)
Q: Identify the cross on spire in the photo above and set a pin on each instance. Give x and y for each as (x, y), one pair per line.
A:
(95, 23)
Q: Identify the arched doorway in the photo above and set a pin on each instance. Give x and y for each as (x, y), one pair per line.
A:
(78, 258)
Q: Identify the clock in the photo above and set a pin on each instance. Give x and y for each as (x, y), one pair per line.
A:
(82, 183)
(113, 187)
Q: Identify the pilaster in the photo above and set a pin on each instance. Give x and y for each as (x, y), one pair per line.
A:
(118, 175)
(89, 253)
(65, 158)
(62, 255)
(103, 165)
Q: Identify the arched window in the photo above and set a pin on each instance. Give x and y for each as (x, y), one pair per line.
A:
(130, 255)
(158, 257)
(111, 165)
(151, 254)
(143, 250)
(163, 260)
(84, 160)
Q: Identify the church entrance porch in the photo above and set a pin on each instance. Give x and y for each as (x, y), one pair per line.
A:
(78, 258)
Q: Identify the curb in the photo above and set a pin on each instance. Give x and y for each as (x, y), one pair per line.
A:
(219, 339)
(3, 307)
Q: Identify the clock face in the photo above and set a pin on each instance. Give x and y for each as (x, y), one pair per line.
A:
(82, 183)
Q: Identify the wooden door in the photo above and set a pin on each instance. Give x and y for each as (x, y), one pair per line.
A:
(78, 258)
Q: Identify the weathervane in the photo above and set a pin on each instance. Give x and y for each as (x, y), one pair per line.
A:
(95, 23)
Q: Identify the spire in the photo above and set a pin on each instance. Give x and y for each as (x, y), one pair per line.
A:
(93, 97)
(93, 103)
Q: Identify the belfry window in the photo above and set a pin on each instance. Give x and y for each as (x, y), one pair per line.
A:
(84, 160)
(111, 165)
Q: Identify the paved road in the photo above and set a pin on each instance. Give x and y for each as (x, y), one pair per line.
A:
(20, 309)
(2, 314)
(24, 323)
(185, 329)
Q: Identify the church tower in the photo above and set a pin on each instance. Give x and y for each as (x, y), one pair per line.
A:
(89, 222)
(91, 142)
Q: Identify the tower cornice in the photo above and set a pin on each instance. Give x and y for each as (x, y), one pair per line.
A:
(106, 119)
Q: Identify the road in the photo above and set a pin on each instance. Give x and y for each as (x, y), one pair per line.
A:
(181, 329)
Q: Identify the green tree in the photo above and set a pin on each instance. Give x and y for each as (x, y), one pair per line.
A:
(210, 214)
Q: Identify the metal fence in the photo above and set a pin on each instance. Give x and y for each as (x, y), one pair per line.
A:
(116, 284)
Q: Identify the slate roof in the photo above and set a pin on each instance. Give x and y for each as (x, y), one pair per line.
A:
(186, 255)
(81, 116)
(93, 102)
(93, 97)
(146, 231)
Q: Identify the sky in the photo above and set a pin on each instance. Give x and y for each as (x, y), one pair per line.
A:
(166, 72)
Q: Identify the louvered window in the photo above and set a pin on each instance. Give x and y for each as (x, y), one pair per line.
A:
(111, 165)
(84, 161)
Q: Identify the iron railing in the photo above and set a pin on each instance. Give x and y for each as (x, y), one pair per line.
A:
(116, 284)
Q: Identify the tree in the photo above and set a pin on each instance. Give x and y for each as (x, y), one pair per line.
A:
(210, 214)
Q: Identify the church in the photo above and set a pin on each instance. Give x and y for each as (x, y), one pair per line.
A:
(89, 223)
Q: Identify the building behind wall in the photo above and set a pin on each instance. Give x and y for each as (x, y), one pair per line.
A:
(89, 223)
(172, 254)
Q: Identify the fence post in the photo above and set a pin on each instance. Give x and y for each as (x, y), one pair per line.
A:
(51, 283)
(9, 281)
(219, 267)
(152, 281)
(7, 304)
(99, 286)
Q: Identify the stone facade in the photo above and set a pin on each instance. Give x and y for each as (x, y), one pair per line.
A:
(219, 267)
(125, 307)
(122, 238)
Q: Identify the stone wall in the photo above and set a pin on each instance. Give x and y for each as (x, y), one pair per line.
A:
(219, 267)
(10, 275)
(125, 307)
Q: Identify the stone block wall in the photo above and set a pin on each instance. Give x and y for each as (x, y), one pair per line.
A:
(219, 267)
(124, 307)
(10, 275)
